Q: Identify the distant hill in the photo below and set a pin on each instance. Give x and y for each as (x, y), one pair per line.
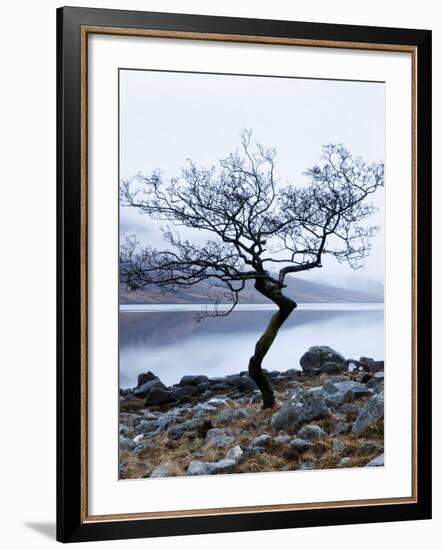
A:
(300, 290)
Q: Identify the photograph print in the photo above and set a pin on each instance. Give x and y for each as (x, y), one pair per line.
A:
(252, 259)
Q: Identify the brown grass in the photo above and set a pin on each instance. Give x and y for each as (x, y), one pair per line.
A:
(178, 454)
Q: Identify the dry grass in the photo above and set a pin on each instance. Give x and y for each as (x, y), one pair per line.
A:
(178, 454)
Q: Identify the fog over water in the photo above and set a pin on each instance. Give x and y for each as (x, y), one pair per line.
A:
(173, 343)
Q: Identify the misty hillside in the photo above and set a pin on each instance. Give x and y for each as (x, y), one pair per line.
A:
(300, 290)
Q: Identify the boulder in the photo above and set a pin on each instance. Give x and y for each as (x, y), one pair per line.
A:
(377, 461)
(158, 396)
(146, 377)
(179, 392)
(229, 415)
(311, 432)
(370, 413)
(294, 413)
(193, 380)
(144, 389)
(370, 365)
(331, 367)
(317, 356)
(344, 462)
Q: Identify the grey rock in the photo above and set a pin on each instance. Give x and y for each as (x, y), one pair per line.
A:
(379, 387)
(236, 453)
(217, 402)
(243, 383)
(224, 466)
(341, 428)
(157, 396)
(338, 446)
(144, 389)
(311, 432)
(257, 398)
(146, 377)
(263, 440)
(331, 367)
(229, 415)
(193, 380)
(377, 461)
(300, 445)
(371, 447)
(350, 410)
(372, 366)
(161, 471)
(203, 386)
(316, 356)
(144, 444)
(199, 425)
(220, 387)
(221, 441)
(294, 413)
(178, 392)
(357, 388)
(126, 444)
(371, 412)
(344, 462)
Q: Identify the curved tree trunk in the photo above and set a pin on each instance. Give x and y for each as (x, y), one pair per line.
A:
(286, 306)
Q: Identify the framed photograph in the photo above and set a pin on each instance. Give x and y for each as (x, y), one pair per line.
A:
(244, 243)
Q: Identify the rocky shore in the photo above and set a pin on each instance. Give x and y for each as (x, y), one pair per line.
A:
(329, 414)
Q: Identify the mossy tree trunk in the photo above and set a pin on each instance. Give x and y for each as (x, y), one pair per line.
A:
(286, 306)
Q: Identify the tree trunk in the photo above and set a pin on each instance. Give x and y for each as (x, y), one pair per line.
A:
(286, 306)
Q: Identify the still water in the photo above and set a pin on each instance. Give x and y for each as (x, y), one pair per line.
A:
(170, 341)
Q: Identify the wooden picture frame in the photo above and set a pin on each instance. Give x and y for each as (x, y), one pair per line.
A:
(74, 25)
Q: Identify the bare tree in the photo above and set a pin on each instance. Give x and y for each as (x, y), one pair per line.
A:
(257, 229)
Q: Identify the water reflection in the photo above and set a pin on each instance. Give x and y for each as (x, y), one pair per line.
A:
(172, 344)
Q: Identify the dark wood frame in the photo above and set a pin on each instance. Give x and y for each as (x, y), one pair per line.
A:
(73, 25)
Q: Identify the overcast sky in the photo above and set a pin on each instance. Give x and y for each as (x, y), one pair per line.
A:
(166, 118)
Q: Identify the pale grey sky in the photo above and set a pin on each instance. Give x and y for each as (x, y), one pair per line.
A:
(166, 118)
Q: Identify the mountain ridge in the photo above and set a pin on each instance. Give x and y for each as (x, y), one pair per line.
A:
(299, 290)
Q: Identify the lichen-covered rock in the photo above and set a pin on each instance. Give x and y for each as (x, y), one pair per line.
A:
(294, 413)
(372, 412)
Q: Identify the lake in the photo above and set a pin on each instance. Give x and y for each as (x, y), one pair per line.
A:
(170, 341)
